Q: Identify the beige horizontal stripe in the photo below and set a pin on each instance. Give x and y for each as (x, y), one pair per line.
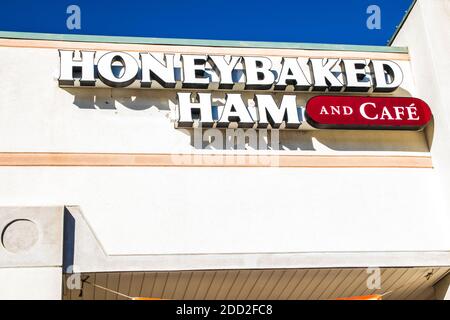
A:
(209, 160)
(22, 43)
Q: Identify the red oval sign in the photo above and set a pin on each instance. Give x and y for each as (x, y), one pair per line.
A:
(351, 112)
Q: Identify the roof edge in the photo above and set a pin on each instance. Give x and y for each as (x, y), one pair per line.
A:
(198, 42)
(402, 22)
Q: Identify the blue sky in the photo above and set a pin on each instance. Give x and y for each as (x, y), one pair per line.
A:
(320, 21)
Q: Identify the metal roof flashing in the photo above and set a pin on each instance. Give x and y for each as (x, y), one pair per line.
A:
(198, 42)
(402, 22)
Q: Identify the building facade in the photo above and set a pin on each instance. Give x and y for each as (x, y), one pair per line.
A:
(187, 169)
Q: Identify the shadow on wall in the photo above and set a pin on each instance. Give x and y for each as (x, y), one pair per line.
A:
(138, 100)
(317, 140)
(109, 99)
(69, 240)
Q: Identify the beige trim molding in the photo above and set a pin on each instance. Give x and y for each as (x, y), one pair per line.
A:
(210, 160)
(53, 44)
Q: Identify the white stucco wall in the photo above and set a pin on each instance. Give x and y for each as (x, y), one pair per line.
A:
(43, 283)
(426, 32)
(209, 210)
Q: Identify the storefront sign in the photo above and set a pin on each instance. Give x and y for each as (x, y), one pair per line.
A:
(184, 73)
(85, 68)
(348, 112)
